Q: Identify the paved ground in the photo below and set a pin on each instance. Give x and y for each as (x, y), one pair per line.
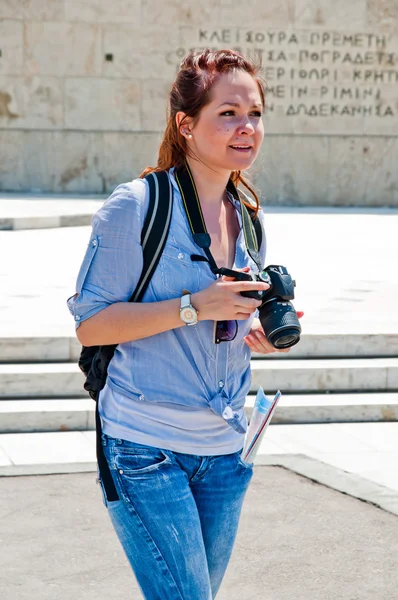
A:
(297, 541)
(343, 262)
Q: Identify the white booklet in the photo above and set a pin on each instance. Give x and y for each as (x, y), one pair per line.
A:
(263, 411)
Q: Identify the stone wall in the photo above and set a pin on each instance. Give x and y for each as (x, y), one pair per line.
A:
(83, 88)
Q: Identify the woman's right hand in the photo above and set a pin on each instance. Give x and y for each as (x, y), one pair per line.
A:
(222, 300)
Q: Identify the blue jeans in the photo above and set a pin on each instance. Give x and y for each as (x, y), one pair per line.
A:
(176, 517)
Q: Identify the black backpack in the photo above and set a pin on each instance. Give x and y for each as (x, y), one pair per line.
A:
(94, 360)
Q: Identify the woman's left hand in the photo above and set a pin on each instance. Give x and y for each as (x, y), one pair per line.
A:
(257, 341)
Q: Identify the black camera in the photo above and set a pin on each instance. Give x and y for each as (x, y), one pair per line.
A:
(277, 315)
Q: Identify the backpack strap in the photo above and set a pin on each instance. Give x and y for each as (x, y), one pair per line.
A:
(153, 239)
(156, 228)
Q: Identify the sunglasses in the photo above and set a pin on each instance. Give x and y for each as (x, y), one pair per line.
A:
(225, 331)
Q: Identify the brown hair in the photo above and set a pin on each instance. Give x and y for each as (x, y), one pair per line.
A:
(190, 92)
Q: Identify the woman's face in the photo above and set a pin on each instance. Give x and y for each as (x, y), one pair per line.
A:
(229, 131)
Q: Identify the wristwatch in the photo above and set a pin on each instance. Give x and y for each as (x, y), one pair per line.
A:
(188, 313)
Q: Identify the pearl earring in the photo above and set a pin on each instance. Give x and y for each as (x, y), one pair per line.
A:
(189, 135)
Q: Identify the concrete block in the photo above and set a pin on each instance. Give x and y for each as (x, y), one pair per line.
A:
(332, 408)
(62, 49)
(154, 104)
(38, 349)
(25, 416)
(325, 375)
(75, 220)
(337, 14)
(164, 57)
(319, 345)
(31, 102)
(41, 380)
(11, 46)
(74, 349)
(41, 166)
(122, 41)
(68, 161)
(11, 9)
(79, 163)
(178, 12)
(126, 155)
(285, 170)
(103, 11)
(21, 223)
(44, 10)
(11, 160)
(361, 171)
(383, 15)
(254, 13)
(6, 224)
(102, 104)
(387, 123)
(141, 53)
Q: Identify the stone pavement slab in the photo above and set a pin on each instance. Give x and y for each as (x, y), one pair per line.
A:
(297, 541)
(337, 455)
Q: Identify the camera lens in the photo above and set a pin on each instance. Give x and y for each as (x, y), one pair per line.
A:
(287, 340)
(280, 323)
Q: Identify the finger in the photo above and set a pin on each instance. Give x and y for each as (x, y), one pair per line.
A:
(247, 286)
(242, 316)
(227, 278)
(247, 304)
(254, 344)
(262, 343)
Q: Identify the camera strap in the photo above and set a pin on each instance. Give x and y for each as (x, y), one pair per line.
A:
(250, 224)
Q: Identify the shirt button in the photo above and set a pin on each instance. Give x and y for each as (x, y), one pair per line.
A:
(221, 384)
(121, 471)
(142, 398)
(180, 256)
(77, 318)
(95, 242)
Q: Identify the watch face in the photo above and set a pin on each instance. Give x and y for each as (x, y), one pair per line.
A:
(188, 315)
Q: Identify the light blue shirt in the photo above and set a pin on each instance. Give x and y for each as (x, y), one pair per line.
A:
(176, 390)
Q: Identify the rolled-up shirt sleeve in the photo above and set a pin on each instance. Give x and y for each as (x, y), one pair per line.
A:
(113, 260)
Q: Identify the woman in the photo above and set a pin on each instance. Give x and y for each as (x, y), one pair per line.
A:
(173, 451)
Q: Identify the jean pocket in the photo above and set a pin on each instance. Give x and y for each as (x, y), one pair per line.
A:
(137, 461)
(244, 465)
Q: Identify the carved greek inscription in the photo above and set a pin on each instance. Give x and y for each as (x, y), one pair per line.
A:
(317, 74)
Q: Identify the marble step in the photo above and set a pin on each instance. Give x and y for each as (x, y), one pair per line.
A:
(64, 349)
(39, 211)
(25, 416)
(65, 380)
